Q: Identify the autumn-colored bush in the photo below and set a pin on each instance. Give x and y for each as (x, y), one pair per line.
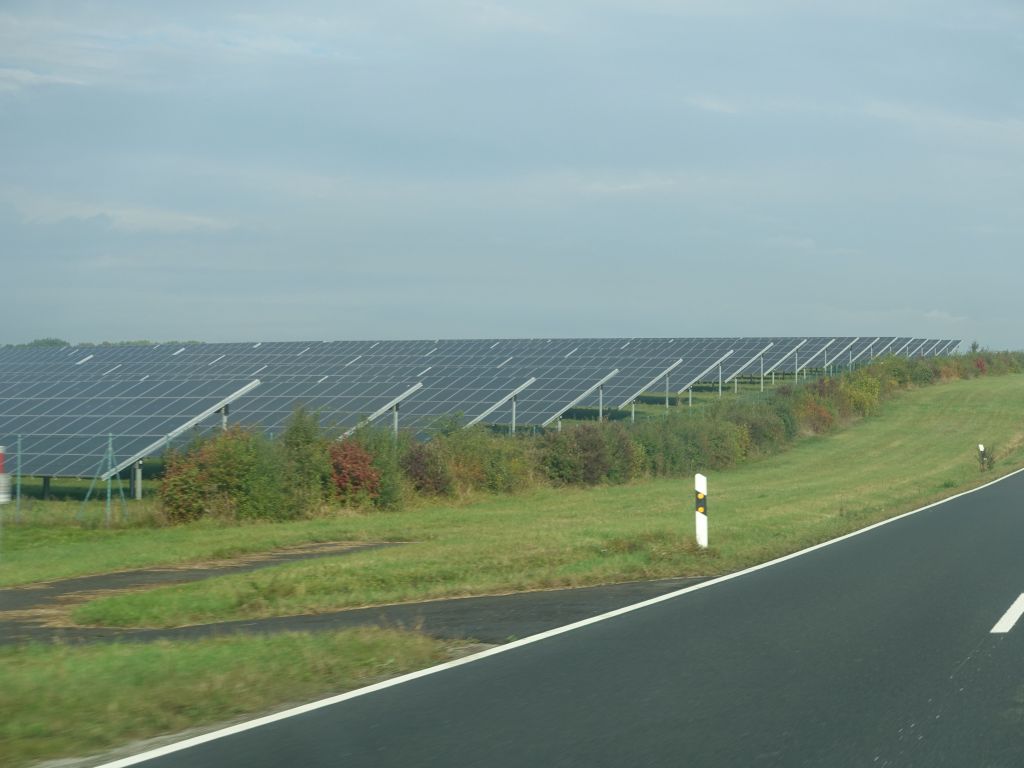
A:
(424, 465)
(815, 416)
(236, 474)
(356, 479)
(481, 460)
(181, 492)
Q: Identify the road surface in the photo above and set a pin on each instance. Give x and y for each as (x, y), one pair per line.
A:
(876, 650)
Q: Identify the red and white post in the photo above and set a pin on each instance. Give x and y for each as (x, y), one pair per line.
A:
(700, 484)
(5, 480)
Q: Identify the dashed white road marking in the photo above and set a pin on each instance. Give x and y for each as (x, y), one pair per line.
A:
(1010, 618)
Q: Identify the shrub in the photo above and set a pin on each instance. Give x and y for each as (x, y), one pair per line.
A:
(425, 467)
(561, 459)
(355, 478)
(670, 446)
(862, 390)
(306, 458)
(386, 448)
(181, 494)
(815, 416)
(625, 456)
(765, 428)
(921, 373)
(588, 454)
(722, 444)
(595, 461)
(234, 474)
(480, 460)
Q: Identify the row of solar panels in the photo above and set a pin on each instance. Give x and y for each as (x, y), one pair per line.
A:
(61, 404)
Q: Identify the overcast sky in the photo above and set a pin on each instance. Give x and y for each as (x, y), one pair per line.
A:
(398, 169)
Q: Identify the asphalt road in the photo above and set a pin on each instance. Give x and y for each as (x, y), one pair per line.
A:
(874, 651)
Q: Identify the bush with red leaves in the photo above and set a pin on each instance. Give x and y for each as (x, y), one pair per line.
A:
(353, 472)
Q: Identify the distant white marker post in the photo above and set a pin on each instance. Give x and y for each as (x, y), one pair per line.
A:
(5, 480)
(700, 484)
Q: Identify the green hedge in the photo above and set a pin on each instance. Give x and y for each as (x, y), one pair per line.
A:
(241, 474)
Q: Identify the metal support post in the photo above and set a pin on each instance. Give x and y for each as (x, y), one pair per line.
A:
(514, 398)
(394, 420)
(110, 466)
(600, 403)
(666, 391)
(719, 379)
(632, 412)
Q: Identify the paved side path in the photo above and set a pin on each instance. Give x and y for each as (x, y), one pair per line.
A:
(36, 595)
(492, 619)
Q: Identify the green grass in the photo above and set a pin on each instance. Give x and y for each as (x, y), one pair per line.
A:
(40, 551)
(921, 447)
(58, 700)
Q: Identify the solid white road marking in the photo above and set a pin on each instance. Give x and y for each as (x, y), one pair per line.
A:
(1010, 618)
(314, 705)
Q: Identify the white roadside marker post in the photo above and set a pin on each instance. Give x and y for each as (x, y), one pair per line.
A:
(5, 491)
(5, 480)
(700, 484)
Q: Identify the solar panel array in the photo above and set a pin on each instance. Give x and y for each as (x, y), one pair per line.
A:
(67, 428)
(67, 404)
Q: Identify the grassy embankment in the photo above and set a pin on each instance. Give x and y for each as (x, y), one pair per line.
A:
(67, 700)
(60, 700)
(919, 448)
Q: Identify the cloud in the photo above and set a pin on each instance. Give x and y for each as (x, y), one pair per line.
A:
(980, 131)
(129, 219)
(944, 317)
(804, 246)
(161, 220)
(19, 79)
(489, 14)
(627, 185)
(138, 47)
(706, 104)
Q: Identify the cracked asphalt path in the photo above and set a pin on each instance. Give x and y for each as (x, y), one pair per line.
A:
(26, 613)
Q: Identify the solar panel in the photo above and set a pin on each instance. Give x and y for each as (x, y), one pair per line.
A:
(64, 427)
(339, 403)
(351, 382)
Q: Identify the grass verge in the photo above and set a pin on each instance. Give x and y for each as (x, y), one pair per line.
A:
(920, 448)
(59, 700)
